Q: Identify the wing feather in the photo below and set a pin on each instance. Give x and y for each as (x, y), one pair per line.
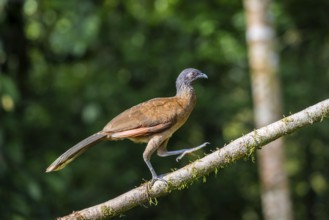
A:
(145, 116)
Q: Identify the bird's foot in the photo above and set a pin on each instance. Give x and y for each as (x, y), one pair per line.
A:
(157, 178)
(191, 150)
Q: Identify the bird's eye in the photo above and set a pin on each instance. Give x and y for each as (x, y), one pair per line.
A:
(192, 74)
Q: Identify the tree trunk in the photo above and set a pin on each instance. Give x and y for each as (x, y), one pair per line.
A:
(263, 61)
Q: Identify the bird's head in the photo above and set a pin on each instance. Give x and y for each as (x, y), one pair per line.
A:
(187, 76)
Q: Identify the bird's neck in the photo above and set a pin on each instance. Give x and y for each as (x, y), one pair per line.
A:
(185, 91)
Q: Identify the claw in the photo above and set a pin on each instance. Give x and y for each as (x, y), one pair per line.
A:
(191, 150)
(157, 178)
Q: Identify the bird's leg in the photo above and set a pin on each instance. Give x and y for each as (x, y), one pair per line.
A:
(155, 177)
(190, 150)
(151, 147)
(149, 165)
(162, 151)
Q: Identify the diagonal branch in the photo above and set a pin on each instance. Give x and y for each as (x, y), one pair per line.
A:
(241, 147)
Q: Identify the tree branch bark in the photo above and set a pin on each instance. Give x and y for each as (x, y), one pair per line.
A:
(179, 179)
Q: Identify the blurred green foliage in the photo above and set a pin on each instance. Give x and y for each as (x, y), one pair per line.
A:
(68, 67)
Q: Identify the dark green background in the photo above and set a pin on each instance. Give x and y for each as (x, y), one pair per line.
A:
(68, 67)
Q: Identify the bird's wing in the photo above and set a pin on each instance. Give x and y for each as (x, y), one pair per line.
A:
(146, 118)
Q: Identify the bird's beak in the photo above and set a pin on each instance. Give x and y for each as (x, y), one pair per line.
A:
(202, 75)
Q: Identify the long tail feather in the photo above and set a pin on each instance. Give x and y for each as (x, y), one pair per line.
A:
(74, 152)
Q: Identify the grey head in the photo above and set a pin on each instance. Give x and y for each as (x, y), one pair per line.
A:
(187, 76)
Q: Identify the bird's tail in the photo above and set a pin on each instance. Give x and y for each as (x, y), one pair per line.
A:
(74, 152)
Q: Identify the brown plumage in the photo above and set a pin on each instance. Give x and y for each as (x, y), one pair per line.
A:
(152, 122)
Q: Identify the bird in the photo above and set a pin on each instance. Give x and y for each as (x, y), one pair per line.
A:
(152, 122)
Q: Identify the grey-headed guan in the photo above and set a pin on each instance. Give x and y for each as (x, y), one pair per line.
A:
(152, 122)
